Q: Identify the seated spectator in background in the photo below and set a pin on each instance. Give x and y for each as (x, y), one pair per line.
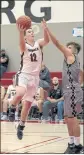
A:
(55, 99)
(11, 91)
(2, 91)
(39, 99)
(45, 79)
(4, 59)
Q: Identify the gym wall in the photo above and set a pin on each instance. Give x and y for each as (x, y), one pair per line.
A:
(63, 17)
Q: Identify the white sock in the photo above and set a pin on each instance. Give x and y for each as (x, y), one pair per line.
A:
(16, 113)
(76, 140)
(71, 139)
(22, 123)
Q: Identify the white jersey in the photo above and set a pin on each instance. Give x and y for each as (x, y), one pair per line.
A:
(11, 91)
(31, 60)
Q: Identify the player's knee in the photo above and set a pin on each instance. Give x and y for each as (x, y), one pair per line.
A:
(70, 119)
(66, 119)
(18, 97)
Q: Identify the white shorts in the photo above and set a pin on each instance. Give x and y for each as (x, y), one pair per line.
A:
(30, 83)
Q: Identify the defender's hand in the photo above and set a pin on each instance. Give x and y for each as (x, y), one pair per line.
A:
(44, 25)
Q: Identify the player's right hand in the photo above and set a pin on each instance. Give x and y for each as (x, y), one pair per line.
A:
(20, 28)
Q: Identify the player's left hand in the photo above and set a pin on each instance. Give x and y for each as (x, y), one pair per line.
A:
(20, 28)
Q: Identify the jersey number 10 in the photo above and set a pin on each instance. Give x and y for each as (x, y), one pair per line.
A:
(33, 57)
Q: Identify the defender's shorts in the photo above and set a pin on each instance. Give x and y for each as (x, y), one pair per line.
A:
(30, 83)
(73, 103)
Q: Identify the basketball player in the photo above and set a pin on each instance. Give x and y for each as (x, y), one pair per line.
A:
(28, 75)
(73, 95)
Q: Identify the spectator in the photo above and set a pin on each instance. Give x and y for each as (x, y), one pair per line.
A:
(11, 91)
(55, 99)
(39, 99)
(4, 59)
(2, 91)
(45, 80)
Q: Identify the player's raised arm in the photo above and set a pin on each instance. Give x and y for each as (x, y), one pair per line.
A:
(21, 38)
(61, 47)
(44, 41)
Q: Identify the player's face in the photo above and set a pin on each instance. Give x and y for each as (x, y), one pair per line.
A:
(30, 34)
(73, 49)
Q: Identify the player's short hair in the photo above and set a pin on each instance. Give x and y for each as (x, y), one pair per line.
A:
(76, 45)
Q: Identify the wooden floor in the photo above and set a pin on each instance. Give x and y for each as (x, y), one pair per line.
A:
(38, 138)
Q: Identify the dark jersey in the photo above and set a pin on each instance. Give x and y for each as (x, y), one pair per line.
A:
(71, 74)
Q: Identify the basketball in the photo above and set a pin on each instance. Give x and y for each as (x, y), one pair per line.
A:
(24, 21)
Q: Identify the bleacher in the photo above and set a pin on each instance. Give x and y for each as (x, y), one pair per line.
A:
(7, 78)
